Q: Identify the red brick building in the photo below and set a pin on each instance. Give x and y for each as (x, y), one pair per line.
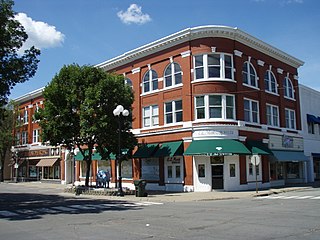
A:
(223, 95)
(215, 108)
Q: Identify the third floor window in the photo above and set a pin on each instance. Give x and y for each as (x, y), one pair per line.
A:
(270, 82)
(150, 81)
(172, 75)
(216, 66)
(249, 75)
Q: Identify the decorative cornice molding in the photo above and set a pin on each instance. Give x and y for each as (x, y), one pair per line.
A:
(29, 96)
(260, 63)
(238, 53)
(196, 33)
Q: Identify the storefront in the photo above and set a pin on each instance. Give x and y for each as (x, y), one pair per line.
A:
(316, 166)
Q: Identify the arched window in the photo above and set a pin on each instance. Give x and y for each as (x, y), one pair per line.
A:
(150, 81)
(270, 82)
(249, 75)
(288, 88)
(172, 75)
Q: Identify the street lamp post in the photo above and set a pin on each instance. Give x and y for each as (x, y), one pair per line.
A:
(117, 113)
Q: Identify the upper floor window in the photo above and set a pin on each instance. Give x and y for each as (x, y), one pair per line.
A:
(249, 75)
(270, 82)
(150, 116)
(217, 65)
(290, 118)
(36, 135)
(172, 75)
(150, 81)
(272, 115)
(24, 138)
(18, 136)
(251, 111)
(288, 88)
(128, 82)
(311, 127)
(173, 112)
(25, 116)
(215, 106)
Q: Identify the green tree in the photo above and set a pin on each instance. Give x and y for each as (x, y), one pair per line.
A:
(14, 67)
(6, 138)
(78, 111)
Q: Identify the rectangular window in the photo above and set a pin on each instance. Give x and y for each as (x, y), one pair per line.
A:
(311, 127)
(232, 170)
(151, 116)
(199, 67)
(215, 65)
(36, 135)
(173, 112)
(201, 170)
(290, 118)
(178, 171)
(18, 136)
(150, 169)
(200, 108)
(272, 115)
(215, 106)
(251, 111)
(169, 171)
(25, 116)
(24, 137)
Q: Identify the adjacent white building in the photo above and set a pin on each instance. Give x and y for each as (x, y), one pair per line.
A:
(310, 119)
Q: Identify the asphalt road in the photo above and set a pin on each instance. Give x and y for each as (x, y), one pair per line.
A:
(38, 214)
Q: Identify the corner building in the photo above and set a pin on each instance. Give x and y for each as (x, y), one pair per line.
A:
(215, 108)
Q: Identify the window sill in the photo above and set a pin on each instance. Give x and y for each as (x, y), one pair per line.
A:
(250, 86)
(292, 99)
(272, 93)
(213, 80)
(149, 93)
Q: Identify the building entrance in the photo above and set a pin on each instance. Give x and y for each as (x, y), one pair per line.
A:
(217, 176)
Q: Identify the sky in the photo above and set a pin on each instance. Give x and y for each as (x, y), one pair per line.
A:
(89, 32)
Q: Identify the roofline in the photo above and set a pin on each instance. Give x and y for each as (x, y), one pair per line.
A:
(30, 95)
(196, 33)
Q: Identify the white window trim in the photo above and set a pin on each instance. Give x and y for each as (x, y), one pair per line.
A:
(151, 107)
(24, 137)
(173, 73)
(35, 135)
(278, 118)
(248, 64)
(288, 80)
(295, 118)
(223, 105)
(150, 81)
(174, 111)
(270, 73)
(250, 100)
(222, 67)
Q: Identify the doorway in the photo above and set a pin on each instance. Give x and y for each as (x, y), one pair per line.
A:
(217, 176)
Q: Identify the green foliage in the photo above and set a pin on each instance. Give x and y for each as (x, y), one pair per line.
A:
(6, 138)
(79, 104)
(14, 68)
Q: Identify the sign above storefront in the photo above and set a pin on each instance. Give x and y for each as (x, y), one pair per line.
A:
(230, 133)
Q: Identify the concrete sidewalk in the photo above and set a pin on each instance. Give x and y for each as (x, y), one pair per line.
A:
(155, 196)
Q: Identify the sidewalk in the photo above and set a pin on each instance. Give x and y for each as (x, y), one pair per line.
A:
(156, 196)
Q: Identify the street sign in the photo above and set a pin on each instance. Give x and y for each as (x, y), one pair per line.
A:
(255, 160)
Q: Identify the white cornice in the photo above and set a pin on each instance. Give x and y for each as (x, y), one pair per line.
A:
(29, 96)
(196, 33)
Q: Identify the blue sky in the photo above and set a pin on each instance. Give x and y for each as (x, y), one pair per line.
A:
(93, 31)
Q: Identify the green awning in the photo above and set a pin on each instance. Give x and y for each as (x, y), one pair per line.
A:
(216, 147)
(95, 156)
(288, 156)
(169, 149)
(146, 151)
(257, 147)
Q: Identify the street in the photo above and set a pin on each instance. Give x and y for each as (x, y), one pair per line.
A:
(30, 213)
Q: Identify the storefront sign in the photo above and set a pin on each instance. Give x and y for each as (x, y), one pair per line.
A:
(174, 160)
(35, 153)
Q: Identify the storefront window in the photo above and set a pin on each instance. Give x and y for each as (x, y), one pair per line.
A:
(150, 169)
(232, 170)
(83, 169)
(126, 169)
(32, 171)
(201, 170)
(178, 172)
(169, 171)
(293, 170)
(276, 171)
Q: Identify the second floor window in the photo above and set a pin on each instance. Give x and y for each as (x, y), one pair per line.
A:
(251, 111)
(173, 112)
(172, 75)
(18, 136)
(249, 75)
(272, 115)
(25, 116)
(24, 138)
(150, 81)
(216, 65)
(215, 107)
(270, 82)
(36, 135)
(290, 118)
(288, 88)
(151, 116)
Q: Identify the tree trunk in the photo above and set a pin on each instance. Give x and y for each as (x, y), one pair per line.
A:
(88, 172)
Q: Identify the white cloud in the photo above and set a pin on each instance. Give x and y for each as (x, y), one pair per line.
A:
(134, 15)
(294, 1)
(40, 34)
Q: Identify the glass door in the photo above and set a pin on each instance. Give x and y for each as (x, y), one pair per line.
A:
(217, 176)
